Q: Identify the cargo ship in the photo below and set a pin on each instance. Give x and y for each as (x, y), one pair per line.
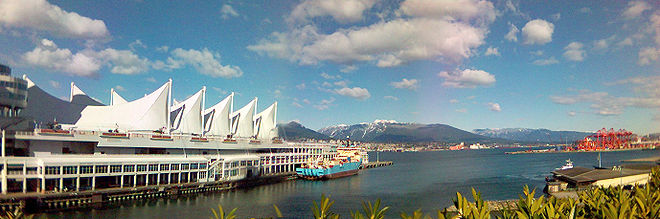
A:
(346, 163)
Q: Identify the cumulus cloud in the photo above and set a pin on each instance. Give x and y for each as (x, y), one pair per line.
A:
(136, 44)
(478, 11)
(205, 62)
(355, 92)
(43, 16)
(495, 107)
(405, 84)
(421, 35)
(549, 61)
(343, 11)
(512, 35)
(327, 76)
(468, 78)
(453, 101)
(296, 104)
(648, 55)
(228, 11)
(151, 79)
(120, 88)
(48, 55)
(54, 84)
(572, 113)
(537, 32)
(635, 9)
(492, 51)
(86, 62)
(301, 86)
(574, 52)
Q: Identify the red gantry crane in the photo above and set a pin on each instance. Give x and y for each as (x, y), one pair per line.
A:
(606, 140)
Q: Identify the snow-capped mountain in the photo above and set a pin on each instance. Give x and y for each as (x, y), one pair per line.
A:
(532, 135)
(393, 131)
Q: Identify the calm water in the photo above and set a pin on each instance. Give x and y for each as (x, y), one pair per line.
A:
(427, 180)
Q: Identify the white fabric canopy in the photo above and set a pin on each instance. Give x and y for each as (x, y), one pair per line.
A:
(189, 116)
(77, 96)
(265, 122)
(115, 98)
(147, 113)
(242, 120)
(217, 121)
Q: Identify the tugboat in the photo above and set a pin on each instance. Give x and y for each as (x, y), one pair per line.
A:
(568, 165)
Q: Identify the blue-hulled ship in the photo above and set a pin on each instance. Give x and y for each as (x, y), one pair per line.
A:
(346, 163)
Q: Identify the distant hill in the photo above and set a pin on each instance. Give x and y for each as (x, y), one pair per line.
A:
(392, 131)
(533, 135)
(295, 131)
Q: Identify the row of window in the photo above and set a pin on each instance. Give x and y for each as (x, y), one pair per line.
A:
(11, 84)
(13, 96)
(88, 169)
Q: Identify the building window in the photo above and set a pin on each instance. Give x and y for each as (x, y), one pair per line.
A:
(141, 167)
(164, 167)
(102, 169)
(153, 167)
(184, 166)
(202, 166)
(115, 168)
(243, 163)
(129, 168)
(69, 170)
(86, 169)
(52, 170)
(175, 166)
(193, 166)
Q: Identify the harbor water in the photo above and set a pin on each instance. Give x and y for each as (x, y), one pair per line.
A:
(426, 180)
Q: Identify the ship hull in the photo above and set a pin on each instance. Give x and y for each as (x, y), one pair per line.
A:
(337, 171)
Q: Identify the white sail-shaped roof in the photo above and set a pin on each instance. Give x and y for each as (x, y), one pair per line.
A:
(188, 114)
(242, 120)
(147, 113)
(77, 96)
(115, 98)
(217, 121)
(265, 122)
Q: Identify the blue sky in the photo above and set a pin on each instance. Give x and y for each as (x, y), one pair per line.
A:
(562, 65)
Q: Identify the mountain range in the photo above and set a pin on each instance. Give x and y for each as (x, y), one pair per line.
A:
(390, 131)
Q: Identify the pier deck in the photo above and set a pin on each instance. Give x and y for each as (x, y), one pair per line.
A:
(376, 164)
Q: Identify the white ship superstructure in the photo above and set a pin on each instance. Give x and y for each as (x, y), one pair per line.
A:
(145, 142)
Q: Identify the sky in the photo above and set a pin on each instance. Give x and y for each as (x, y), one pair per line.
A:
(561, 65)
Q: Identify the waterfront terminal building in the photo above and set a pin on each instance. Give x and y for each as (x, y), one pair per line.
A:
(54, 146)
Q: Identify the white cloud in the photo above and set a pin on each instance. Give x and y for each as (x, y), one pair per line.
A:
(341, 83)
(343, 11)
(419, 36)
(301, 86)
(512, 35)
(635, 9)
(574, 52)
(482, 12)
(205, 62)
(453, 101)
(163, 48)
(296, 104)
(601, 44)
(54, 84)
(47, 55)
(228, 11)
(120, 88)
(355, 92)
(467, 78)
(647, 95)
(537, 52)
(572, 113)
(136, 44)
(625, 42)
(655, 24)
(537, 32)
(43, 16)
(648, 55)
(548, 61)
(123, 61)
(461, 110)
(324, 104)
(306, 101)
(391, 98)
(348, 68)
(405, 84)
(151, 79)
(585, 10)
(220, 90)
(495, 107)
(492, 51)
(327, 76)
(86, 62)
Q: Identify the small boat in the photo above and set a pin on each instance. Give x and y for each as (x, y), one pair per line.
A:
(57, 132)
(568, 165)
